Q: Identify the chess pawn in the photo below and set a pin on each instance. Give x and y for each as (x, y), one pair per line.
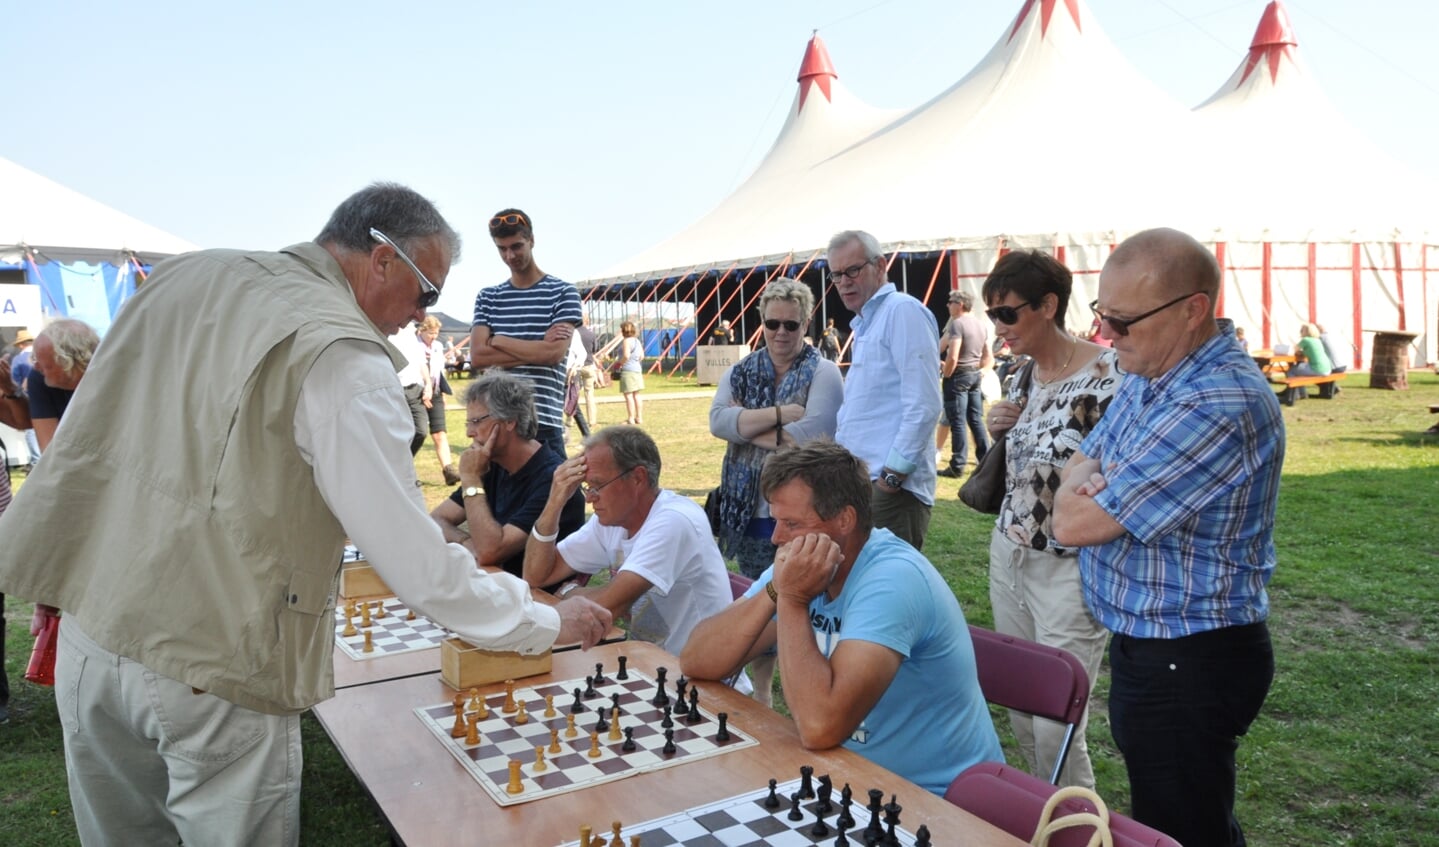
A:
(369, 642)
(523, 715)
(549, 705)
(554, 741)
(380, 609)
(570, 726)
(411, 616)
(472, 729)
(616, 841)
(481, 709)
(594, 745)
(540, 760)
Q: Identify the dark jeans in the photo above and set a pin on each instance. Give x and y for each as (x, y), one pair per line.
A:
(414, 395)
(552, 437)
(1177, 708)
(964, 405)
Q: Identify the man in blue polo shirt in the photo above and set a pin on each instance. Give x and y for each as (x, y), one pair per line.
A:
(524, 324)
(1172, 497)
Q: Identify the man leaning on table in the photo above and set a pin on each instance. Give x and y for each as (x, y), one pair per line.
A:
(1171, 499)
(198, 586)
(873, 646)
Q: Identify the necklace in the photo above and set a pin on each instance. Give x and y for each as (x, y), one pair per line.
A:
(1074, 345)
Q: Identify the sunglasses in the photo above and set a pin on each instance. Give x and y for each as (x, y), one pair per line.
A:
(509, 220)
(1120, 326)
(850, 272)
(1009, 314)
(429, 294)
(773, 325)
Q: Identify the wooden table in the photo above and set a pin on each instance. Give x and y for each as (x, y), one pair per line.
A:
(429, 799)
(1271, 362)
(352, 672)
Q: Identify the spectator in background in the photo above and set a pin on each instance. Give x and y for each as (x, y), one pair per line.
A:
(632, 379)
(1338, 364)
(829, 341)
(1311, 359)
(722, 334)
(1239, 336)
(589, 371)
(61, 356)
(14, 412)
(412, 381)
(20, 368)
(964, 348)
(433, 373)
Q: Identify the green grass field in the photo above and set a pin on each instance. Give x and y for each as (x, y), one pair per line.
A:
(1345, 751)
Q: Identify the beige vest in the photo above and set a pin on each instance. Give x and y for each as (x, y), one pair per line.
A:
(173, 518)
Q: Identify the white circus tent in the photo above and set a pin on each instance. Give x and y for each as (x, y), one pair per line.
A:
(1054, 141)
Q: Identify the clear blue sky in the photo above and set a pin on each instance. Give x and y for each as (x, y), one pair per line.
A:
(614, 125)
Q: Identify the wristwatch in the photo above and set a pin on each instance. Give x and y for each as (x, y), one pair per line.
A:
(890, 478)
(473, 491)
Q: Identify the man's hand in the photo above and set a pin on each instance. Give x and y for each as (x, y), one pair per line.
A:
(42, 614)
(1084, 478)
(805, 567)
(582, 620)
(475, 461)
(568, 476)
(560, 332)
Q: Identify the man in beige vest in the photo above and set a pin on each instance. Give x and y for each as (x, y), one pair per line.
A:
(240, 420)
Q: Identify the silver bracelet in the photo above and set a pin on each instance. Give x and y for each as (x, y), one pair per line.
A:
(543, 539)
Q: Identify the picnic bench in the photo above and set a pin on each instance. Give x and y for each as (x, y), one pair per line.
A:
(1289, 388)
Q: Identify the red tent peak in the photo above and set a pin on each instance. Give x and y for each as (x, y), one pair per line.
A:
(815, 70)
(1273, 41)
(1046, 11)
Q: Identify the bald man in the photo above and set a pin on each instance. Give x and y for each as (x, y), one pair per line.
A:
(1172, 498)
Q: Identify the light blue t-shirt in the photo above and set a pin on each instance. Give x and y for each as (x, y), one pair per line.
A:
(932, 722)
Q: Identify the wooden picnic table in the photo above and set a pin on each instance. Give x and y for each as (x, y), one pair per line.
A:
(429, 798)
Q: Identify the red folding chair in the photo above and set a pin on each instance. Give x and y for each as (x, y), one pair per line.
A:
(738, 585)
(1013, 801)
(1046, 682)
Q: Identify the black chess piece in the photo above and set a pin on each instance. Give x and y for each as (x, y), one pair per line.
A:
(772, 801)
(601, 725)
(662, 697)
(623, 674)
(806, 781)
(665, 720)
(723, 734)
(841, 840)
(891, 820)
(669, 748)
(820, 828)
(600, 673)
(578, 706)
(590, 687)
(921, 836)
(794, 813)
(826, 789)
(680, 685)
(615, 700)
(874, 831)
(629, 745)
(694, 715)
(846, 799)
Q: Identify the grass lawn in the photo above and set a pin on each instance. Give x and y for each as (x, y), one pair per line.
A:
(1345, 751)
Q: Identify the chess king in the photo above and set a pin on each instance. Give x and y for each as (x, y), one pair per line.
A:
(873, 647)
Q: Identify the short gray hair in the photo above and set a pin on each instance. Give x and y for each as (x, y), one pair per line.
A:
(508, 398)
(632, 448)
(73, 342)
(399, 212)
(790, 291)
(849, 236)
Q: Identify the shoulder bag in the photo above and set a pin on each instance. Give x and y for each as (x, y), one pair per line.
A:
(984, 490)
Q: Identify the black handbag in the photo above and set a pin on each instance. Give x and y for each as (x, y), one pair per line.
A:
(984, 490)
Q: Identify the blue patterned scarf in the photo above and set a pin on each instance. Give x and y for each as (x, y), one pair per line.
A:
(752, 385)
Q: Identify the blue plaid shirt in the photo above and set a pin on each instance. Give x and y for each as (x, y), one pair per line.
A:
(1192, 460)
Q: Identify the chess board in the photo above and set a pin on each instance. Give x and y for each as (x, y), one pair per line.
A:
(390, 635)
(502, 739)
(743, 821)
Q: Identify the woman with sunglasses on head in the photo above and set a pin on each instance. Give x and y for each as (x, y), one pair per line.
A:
(784, 393)
(1034, 583)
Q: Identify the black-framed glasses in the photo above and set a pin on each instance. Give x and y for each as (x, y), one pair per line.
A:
(590, 492)
(850, 272)
(429, 294)
(773, 325)
(1009, 314)
(477, 421)
(1120, 326)
(509, 220)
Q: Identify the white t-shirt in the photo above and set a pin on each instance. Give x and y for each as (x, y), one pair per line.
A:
(673, 551)
(409, 344)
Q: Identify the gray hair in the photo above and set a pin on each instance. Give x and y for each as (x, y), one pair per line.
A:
(73, 342)
(632, 448)
(399, 212)
(508, 398)
(870, 243)
(790, 291)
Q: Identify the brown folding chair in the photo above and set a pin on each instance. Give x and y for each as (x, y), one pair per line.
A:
(1046, 682)
(1013, 801)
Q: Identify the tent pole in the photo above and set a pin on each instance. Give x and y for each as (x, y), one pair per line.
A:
(1399, 287)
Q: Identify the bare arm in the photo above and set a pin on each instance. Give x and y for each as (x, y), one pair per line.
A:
(827, 697)
(722, 644)
(14, 411)
(448, 517)
(483, 355)
(44, 430)
(543, 563)
(951, 356)
(1078, 520)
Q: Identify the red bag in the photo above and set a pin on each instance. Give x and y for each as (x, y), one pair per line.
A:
(41, 669)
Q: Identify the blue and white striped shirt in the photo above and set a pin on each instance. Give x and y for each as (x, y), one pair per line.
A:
(1192, 460)
(526, 314)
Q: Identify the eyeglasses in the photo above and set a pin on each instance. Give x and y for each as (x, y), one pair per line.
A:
(1120, 326)
(1009, 314)
(773, 325)
(429, 294)
(591, 492)
(509, 220)
(477, 421)
(850, 272)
